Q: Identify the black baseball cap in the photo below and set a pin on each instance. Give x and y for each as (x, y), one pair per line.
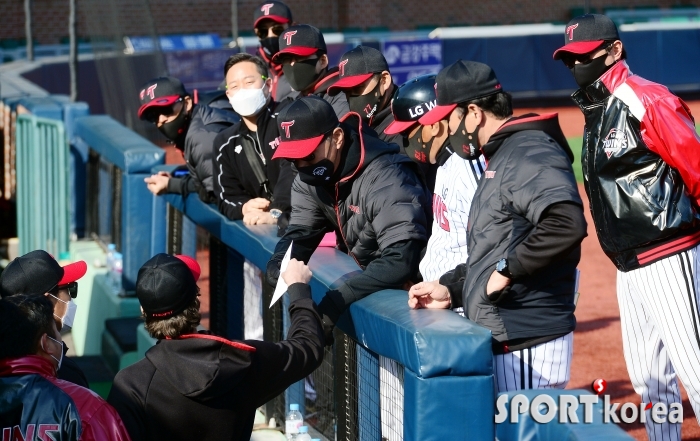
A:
(460, 82)
(302, 40)
(38, 273)
(302, 126)
(357, 66)
(166, 285)
(272, 10)
(412, 100)
(586, 33)
(160, 92)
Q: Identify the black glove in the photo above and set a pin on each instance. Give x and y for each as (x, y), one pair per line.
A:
(272, 272)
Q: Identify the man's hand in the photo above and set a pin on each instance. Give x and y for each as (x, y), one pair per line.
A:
(429, 295)
(157, 184)
(256, 205)
(497, 282)
(259, 218)
(296, 272)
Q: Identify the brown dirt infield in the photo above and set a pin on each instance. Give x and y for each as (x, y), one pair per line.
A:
(598, 339)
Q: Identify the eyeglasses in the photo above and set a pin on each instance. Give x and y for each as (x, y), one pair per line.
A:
(570, 59)
(72, 289)
(152, 114)
(264, 32)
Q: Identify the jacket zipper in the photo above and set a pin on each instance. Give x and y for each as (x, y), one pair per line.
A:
(340, 226)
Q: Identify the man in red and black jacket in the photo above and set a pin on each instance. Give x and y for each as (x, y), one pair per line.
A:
(271, 18)
(35, 404)
(304, 60)
(198, 386)
(641, 164)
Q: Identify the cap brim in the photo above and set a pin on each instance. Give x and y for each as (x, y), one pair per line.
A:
(399, 126)
(275, 18)
(192, 264)
(161, 101)
(301, 51)
(580, 47)
(348, 83)
(73, 272)
(437, 113)
(297, 149)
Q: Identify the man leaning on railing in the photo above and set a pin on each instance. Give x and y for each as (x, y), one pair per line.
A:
(352, 183)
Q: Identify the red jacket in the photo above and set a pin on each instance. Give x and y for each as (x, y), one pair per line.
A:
(36, 405)
(641, 164)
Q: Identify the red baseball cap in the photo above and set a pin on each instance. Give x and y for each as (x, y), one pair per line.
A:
(160, 92)
(300, 40)
(357, 66)
(37, 272)
(272, 10)
(587, 33)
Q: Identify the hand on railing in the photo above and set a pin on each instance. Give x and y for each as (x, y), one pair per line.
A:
(429, 295)
(157, 184)
(254, 212)
(296, 272)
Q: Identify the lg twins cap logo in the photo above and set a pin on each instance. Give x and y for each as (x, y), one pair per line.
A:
(614, 142)
(341, 67)
(570, 31)
(288, 36)
(420, 109)
(150, 91)
(266, 8)
(286, 125)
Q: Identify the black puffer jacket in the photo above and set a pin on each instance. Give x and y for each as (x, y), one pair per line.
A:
(206, 122)
(529, 171)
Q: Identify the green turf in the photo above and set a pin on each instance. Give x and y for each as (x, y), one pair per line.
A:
(576, 144)
(102, 388)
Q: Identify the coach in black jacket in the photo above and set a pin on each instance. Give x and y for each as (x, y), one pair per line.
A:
(248, 183)
(354, 184)
(194, 386)
(525, 228)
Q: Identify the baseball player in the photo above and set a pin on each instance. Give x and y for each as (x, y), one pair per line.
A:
(524, 233)
(642, 176)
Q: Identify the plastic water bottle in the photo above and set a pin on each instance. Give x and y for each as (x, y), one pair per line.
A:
(303, 434)
(293, 422)
(117, 274)
(109, 262)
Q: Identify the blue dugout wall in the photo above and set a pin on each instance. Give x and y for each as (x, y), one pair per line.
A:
(525, 67)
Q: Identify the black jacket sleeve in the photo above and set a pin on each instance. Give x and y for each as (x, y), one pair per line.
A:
(282, 193)
(229, 190)
(392, 269)
(182, 186)
(278, 365)
(560, 229)
(454, 281)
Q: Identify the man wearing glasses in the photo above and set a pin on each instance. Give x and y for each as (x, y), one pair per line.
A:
(270, 20)
(37, 273)
(191, 127)
(641, 164)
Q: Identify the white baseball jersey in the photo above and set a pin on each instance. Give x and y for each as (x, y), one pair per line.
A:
(455, 184)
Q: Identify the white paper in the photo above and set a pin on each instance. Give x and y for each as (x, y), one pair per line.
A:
(281, 287)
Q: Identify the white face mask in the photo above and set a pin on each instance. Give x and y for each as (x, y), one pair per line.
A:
(69, 317)
(59, 360)
(247, 102)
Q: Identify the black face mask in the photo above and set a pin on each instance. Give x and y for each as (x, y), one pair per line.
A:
(417, 149)
(465, 144)
(317, 174)
(302, 75)
(366, 105)
(587, 74)
(176, 130)
(270, 45)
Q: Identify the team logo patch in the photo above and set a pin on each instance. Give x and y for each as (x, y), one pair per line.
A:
(570, 31)
(319, 171)
(614, 142)
(238, 149)
(275, 143)
(148, 91)
(341, 67)
(354, 208)
(285, 126)
(266, 8)
(288, 36)
(490, 174)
